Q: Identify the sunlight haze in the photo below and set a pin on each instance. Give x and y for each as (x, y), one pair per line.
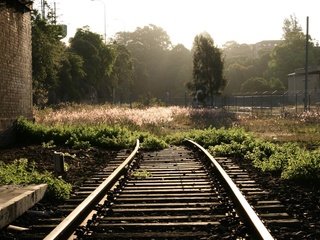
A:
(247, 21)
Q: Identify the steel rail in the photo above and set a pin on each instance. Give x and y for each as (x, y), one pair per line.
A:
(65, 229)
(258, 227)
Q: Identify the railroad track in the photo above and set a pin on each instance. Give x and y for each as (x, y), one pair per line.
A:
(176, 193)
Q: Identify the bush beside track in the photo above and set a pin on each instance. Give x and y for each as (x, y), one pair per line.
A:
(288, 161)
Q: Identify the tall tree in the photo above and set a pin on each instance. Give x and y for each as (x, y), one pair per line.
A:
(207, 67)
(47, 55)
(71, 79)
(178, 72)
(122, 73)
(149, 47)
(290, 54)
(97, 63)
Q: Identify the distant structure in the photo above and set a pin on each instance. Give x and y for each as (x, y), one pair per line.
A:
(15, 64)
(296, 83)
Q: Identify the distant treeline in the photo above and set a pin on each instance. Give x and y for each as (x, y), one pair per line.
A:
(144, 66)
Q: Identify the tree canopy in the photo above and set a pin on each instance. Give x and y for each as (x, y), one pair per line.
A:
(290, 54)
(246, 66)
(97, 64)
(207, 68)
(143, 65)
(159, 69)
(47, 54)
(134, 65)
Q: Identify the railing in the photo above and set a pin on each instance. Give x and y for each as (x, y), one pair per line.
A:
(259, 103)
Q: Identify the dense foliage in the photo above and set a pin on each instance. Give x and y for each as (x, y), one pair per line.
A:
(85, 136)
(208, 77)
(265, 66)
(160, 70)
(22, 172)
(144, 66)
(288, 160)
(48, 53)
(134, 66)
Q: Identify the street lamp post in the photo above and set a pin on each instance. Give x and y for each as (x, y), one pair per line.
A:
(104, 19)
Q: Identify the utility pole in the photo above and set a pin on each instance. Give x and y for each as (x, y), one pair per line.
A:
(43, 11)
(55, 13)
(306, 69)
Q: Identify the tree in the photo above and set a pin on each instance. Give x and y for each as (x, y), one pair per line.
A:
(47, 55)
(259, 84)
(71, 79)
(149, 47)
(207, 67)
(122, 73)
(97, 64)
(236, 74)
(290, 54)
(178, 71)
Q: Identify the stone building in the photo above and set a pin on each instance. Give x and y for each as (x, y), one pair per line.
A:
(16, 64)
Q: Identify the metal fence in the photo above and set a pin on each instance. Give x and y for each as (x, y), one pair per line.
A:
(259, 103)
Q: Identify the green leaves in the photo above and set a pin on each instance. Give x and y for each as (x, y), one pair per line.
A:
(22, 172)
(207, 68)
(288, 161)
(85, 136)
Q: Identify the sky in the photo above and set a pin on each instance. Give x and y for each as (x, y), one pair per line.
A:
(245, 21)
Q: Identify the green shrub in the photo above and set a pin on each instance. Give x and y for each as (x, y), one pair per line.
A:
(85, 136)
(288, 160)
(76, 136)
(22, 172)
(304, 167)
(211, 136)
(151, 142)
(233, 149)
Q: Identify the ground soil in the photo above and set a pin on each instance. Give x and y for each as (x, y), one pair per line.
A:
(80, 163)
(302, 200)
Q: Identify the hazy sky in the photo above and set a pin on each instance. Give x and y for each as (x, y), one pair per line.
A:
(245, 21)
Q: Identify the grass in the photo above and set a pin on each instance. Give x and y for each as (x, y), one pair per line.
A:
(282, 130)
(286, 146)
(302, 128)
(141, 174)
(85, 136)
(162, 121)
(22, 172)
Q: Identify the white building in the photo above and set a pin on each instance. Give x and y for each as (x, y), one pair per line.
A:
(296, 83)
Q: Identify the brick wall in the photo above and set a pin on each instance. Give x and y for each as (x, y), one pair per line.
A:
(15, 64)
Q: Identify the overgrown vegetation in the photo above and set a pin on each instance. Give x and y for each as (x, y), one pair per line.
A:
(288, 161)
(86, 136)
(22, 172)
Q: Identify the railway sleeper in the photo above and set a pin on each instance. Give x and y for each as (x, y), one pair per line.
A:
(150, 235)
(155, 226)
